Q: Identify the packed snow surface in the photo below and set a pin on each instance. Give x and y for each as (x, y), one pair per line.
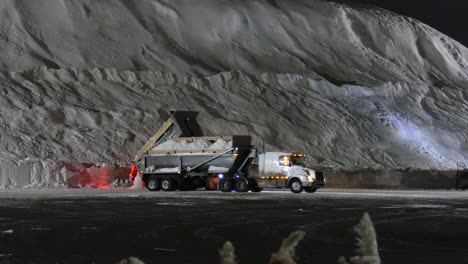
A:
(352, 87)
(424, 197)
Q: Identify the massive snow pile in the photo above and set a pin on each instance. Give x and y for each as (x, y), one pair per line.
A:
(308, 37)
(351, 87)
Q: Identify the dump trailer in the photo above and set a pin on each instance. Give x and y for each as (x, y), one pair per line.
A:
(180, 157)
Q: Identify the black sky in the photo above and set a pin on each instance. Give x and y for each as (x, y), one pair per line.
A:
(448, 16)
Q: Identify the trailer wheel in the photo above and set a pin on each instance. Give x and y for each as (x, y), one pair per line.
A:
(296, 186)
(310, 189)
(168, 185)
(225, 185)
(253, 185)
(256, 189)
(241, 185)
(153, 184)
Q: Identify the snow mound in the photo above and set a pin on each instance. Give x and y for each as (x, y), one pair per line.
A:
(317, 39)
(91, 81)
(88, 116)
(37, 173)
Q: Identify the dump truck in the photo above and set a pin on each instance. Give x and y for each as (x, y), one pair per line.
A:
(180, 157)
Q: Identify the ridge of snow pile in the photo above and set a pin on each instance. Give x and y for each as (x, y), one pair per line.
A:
(317, 39)
(197, 144)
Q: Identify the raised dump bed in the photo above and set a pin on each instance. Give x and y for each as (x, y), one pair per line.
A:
(178, 156)
(171, 168)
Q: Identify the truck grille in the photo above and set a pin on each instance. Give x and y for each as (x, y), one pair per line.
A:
(319, 176)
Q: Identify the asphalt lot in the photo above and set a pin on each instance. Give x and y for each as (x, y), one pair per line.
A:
(104, 226)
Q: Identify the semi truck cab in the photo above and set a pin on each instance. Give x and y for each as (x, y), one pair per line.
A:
(282, 169)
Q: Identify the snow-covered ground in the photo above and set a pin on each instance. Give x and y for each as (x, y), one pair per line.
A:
(105, 226)
(350, 87)
(269, 194)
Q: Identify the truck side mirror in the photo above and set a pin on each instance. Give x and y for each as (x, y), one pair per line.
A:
(284, 161)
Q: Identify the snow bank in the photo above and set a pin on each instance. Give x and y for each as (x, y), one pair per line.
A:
(51, 174)
(31, 173)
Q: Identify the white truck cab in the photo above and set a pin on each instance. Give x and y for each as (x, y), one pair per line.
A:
(283, 169)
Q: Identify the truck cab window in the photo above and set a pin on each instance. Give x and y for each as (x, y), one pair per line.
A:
(300, 161)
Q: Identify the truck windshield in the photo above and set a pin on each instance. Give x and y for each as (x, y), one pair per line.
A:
(290, 160)
(299, 161)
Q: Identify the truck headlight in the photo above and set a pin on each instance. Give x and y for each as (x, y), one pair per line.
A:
(310, 178)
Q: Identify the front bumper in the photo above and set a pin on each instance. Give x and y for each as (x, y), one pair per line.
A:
(318, 184)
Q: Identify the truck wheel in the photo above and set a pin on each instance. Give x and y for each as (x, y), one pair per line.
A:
(253, 185)
(241, 185)
(296, 186)
(310, 189)
(225, 185)
(168, 185)
(153, 184)
(256, 189)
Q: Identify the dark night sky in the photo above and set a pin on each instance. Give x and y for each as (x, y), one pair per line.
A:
(448, 16)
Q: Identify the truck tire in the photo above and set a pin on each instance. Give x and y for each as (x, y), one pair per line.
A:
(153, 184)
(241, 185)
(296, 186)
(310, 189)
(256, 189)
(253, 185)
(226, 185)
(168, 185)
